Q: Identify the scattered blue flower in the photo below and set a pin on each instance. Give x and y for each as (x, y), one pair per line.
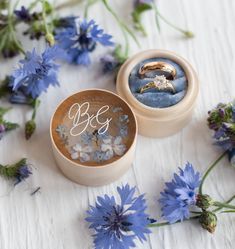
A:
(80, 39)
(2, 130)
(180, 194)
(23, 14)
(118, 225)
(22, 173)
(37, 72)
(222, 121)
(109, 63)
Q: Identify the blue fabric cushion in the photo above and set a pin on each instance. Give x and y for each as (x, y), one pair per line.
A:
(152, 97)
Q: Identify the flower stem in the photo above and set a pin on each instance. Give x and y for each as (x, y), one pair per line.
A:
(187, 33)
(228, 211)
(228, 201)
(11, 28)
(209, 170)
(49, 36)
(88, 5)
(167, 223)
(121, 24)
(36, 104)
(223, 205)
(67, 4)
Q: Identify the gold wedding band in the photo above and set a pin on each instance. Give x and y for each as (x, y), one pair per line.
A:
(158, 66)
(159, 83)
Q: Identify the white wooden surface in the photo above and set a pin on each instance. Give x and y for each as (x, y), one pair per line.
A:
(54, 218)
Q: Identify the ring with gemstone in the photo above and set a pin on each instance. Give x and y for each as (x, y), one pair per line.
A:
(166, 68)
(160, 83)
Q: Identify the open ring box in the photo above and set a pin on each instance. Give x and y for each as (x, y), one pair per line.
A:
(94, 132)
(159, 122)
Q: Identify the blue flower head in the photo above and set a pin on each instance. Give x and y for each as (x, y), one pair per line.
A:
(37, 72)
(23, 173)
(80, 39)
(222, 121)
(118, 225)
(23, 14)
(180, 194)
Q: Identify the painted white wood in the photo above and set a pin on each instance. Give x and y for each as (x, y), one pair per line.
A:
(54, 218)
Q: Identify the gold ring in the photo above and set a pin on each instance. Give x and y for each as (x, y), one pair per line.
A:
(158, 66)
(160, 83)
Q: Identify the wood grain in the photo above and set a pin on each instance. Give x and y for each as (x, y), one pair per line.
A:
(54, 218)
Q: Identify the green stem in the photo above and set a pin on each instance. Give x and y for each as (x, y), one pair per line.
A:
(185, 32)
(12, 30)
(223, 205)
(44, 17)
(36, 104)
(33, 4)
(228, 201)
(121, 24)
(167, 223)
(156, 17)
(68, 4)
(87, 6)
(209, 170)
(228, 211)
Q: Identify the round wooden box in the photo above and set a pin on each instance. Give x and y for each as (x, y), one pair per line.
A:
(93, 136)
(159, 122)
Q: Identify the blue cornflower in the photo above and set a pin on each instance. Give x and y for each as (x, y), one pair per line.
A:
(118, 225)
(80, 39)
(23, 14)
(109, 63)
(22, 173)
(37, 72)
(180, 194)
(222, 121)
(18, 171)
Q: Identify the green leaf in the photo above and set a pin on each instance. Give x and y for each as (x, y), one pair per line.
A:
(4, 111)
(4, 88)
(10, 126)
(48, 7)
(136, 14)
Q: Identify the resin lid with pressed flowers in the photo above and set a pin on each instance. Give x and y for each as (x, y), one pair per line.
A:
(93, 128)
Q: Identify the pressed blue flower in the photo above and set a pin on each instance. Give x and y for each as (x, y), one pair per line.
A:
(100, 156)
(87, 137)
(37, 72)
(123, 131)
(117, 225)
(80, 39)
(180, 194)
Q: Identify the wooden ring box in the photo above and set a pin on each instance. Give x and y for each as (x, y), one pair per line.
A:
(159, 122)
(92, 173)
